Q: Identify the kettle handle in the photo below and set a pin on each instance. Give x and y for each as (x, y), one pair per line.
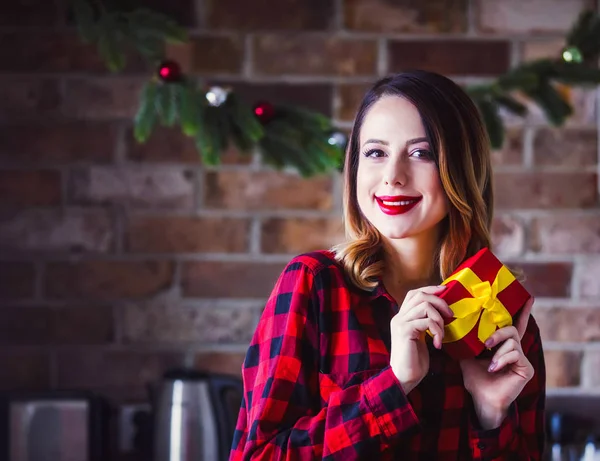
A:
(219, 384)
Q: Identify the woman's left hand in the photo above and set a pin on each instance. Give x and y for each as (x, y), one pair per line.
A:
(495, 384)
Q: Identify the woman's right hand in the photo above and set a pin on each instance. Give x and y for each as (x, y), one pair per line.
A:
(421, 310)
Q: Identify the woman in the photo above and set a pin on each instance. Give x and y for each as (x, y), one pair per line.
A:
(340, 366)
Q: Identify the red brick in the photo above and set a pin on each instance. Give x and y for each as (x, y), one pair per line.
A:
(28, 13)
(209, 54)
(266, 191)
(451, 57)
(563, 368)
(590, 369)
(508, 236)
(351, 95)
(511, 152)
(134, 187)
(102, 280)
(314, 54)
(174, 323)
(549, 279)
(406, 16)
(545, 190)
(166, 234)
(229, 363)
(57, 230)
(569, 324)
(102, 97)
(42, 56)
(270, 14)
(588, 274)
(533, 16)
(169, 145)
(62, 326)
(566, 147)
(540, 49)
(17, 280)
(29, 188)
(58, 142)
(28, 98)
(300, 235)
(24, 370)
(566, 234)
(312, 96)
(120, 375)
(213, 279)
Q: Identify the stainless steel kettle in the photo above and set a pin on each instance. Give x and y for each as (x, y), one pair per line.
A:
(194, 415)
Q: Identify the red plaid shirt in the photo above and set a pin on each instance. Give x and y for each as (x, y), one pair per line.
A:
(318, 384)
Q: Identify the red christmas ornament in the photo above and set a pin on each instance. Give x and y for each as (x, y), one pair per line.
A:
(169, 71)
(264, 111)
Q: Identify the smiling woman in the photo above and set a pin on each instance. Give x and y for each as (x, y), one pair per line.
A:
(340, 365)
(441, 148)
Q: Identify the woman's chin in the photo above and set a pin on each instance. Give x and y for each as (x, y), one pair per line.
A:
(395, 234)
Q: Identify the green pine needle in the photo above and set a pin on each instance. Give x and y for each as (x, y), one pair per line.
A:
(209, 138)
(574, 73)
(110, 45)
(511, 104)
(554, 106)
(145, 117)
(580, 31)
(493, 123)
(167, 103)
(191, 108)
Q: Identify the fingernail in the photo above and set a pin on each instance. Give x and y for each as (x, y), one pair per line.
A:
(489, 343)
(442, 287)
(492, 366)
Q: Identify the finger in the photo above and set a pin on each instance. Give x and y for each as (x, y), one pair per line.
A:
(502, 335)
(506, 359)
(416, 328)
(439, 304)
(509, 345)
(523, 319)
(435, 289)
(424, 310)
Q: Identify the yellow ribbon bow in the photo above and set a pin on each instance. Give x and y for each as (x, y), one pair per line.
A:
(484, 303)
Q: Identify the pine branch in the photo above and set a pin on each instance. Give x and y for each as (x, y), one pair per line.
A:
(297, 137)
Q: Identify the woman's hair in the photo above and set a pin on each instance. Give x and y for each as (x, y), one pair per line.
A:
(461, 151)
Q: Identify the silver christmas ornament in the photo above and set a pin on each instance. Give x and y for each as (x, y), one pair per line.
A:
(216, 96)
(338, 139)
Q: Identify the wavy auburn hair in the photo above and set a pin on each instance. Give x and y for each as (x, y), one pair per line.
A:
(460, 147)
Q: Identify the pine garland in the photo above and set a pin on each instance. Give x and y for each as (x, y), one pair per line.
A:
(537, 80)
(288, 136)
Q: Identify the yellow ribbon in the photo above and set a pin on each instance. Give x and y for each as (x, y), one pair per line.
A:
(484, 303)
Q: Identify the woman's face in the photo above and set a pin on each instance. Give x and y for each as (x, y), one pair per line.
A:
(398, 183)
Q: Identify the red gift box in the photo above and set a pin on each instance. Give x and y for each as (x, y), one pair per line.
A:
(484, 296)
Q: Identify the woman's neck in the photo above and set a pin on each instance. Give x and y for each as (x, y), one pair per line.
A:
(409, 264)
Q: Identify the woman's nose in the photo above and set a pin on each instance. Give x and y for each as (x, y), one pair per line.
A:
(396, 174)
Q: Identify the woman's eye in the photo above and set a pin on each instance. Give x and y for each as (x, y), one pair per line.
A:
(374, 153)
(421, 153)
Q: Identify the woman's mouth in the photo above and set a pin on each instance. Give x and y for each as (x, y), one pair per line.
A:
(397, 204)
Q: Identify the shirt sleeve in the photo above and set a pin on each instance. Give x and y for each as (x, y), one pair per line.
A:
(521, 436)
(282, 415)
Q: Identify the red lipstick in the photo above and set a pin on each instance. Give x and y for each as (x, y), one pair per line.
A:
(397, 204)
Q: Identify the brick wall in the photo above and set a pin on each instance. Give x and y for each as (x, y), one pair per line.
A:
(119, 260)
